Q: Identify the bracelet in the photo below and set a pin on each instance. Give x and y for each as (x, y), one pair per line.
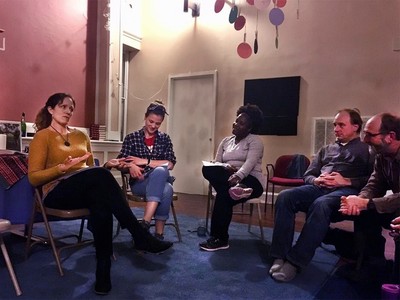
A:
(148, 161)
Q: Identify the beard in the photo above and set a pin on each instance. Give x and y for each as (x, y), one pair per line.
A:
(381, 148)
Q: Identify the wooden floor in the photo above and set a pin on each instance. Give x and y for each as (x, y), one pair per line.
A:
(196, 206)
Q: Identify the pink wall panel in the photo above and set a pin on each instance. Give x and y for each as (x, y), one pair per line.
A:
(47, 51)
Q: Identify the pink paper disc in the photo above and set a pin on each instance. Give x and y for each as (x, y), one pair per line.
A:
(219, 5)
(244, 50)
(239, 23)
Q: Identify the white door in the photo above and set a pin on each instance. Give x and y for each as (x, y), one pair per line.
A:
(191, 105)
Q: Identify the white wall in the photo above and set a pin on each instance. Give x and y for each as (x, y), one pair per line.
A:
(343, 50)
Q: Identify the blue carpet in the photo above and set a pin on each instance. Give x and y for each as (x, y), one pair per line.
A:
(182, 272)
(348, 283)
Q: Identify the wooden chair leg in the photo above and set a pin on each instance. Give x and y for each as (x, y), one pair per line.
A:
(207, 213)
(266, 197)
(80, 235)
(265, 201)
(178, 231)
(208, 206)
(272, 198)
(53, 244)
(10, 267)
(29, 233)
(250, 216)
(260, 222)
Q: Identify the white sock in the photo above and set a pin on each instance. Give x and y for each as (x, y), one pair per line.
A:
(286, 273)
(276, 265)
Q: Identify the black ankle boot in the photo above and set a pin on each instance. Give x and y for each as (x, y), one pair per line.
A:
(149, 243)
(159, 236)
(103, 279)
(145, 225)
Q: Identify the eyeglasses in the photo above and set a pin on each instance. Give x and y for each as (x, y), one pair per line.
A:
(371, 135)
(157, 107)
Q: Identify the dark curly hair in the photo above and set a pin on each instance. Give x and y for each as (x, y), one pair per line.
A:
(255, 116)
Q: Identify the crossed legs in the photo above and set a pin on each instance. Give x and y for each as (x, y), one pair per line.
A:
(158, 193)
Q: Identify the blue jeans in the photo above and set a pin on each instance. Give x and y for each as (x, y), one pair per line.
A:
(318, 204)
(156, 187)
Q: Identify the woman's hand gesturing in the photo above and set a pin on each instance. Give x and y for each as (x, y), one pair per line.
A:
(70, 162)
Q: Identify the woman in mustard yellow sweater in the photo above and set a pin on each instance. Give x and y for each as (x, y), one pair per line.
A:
(60, 162)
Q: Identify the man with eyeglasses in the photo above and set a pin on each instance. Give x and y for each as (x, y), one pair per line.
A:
(382, 133)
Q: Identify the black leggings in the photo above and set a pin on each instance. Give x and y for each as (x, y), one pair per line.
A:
(97, 190)
(223, 206)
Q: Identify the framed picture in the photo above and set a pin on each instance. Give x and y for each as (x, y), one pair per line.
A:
(12, 130)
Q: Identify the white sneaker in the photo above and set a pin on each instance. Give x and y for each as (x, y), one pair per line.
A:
(276, 265)
(238, 192)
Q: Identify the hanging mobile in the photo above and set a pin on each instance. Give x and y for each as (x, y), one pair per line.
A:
(255, 43)
(234, 13)
(298, 9)
(255, 46)
(244, 49)
(276, 17)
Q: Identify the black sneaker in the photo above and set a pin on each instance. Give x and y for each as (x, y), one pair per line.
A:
(159, 236)
(214, 244)
(153, 245)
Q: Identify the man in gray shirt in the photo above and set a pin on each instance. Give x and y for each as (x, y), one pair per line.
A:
(338, 169)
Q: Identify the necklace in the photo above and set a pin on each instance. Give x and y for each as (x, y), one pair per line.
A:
(66, 142)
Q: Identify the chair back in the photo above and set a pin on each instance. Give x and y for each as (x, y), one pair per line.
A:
(54, 214)
(5, 225)
(288, 171)
(126, 188)
(48, 214)
(298, 166)
(96, 162)
(291, 166)
(281, 165)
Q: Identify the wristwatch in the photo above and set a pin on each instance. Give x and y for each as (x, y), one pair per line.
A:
(370, 204)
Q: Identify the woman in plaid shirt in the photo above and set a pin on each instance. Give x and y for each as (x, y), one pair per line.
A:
(152, 156)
